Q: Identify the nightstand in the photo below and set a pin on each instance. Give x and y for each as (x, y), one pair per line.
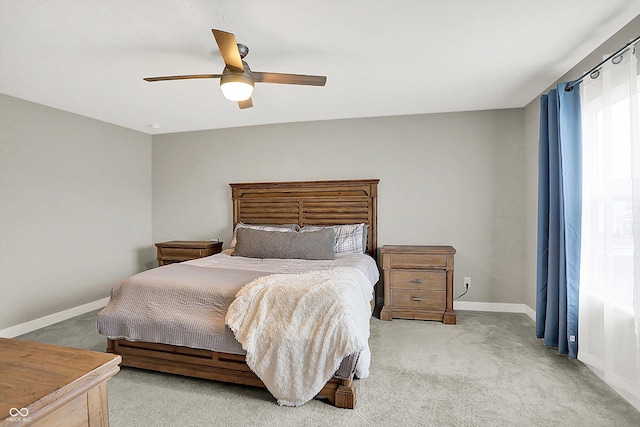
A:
(184, 250)
(418, 283)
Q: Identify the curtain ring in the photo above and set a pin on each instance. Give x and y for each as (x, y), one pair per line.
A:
(618, 59)
(595, 74)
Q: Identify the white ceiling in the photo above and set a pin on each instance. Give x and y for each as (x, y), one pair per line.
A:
(381, 58)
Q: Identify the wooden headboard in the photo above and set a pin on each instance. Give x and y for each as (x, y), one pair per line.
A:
(309, 203)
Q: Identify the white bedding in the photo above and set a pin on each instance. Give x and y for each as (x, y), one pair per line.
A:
(297, 328)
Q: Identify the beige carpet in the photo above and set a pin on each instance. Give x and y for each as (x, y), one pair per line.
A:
(488, 370)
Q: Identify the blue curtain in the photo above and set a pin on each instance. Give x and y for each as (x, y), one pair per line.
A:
(559, 219)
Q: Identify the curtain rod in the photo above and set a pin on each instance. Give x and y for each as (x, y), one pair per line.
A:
(569, 87)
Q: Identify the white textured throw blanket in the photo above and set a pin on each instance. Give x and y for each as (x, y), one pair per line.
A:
(297, 328)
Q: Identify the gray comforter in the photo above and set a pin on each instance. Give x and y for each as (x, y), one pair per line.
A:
(178, 304)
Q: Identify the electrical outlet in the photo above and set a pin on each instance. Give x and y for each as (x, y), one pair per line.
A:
(467, 282)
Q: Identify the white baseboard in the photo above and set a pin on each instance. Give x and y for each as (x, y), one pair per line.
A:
(495, 306)
(32, 325)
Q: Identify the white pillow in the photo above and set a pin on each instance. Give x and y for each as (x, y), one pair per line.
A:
(349, 238)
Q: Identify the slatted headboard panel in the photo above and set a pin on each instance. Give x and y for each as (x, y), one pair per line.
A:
(309, 203)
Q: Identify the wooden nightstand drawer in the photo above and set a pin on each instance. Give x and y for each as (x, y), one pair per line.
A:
(425, 280)
(417, 261)
(185, 250)
(418, 299)
(181, 253)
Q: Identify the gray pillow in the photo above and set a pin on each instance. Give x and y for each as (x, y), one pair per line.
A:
(315, 245)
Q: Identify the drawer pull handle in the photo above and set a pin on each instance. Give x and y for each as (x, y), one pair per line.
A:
(416, 299)
(417, 280)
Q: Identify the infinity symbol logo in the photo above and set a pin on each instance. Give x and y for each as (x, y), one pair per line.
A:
(14, 412)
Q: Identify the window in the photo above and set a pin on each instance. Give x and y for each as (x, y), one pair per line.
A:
(607, 202)
(609, 318)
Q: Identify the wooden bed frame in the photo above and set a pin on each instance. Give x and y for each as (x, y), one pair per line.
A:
(303, 203)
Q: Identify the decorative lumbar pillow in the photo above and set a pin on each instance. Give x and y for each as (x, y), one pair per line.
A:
(349, 238)
(315, 245)
(266, 227)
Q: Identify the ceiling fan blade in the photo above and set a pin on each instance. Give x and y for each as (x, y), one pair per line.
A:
(228, 49)
(288, 79)
(245, 104)
(190, 76)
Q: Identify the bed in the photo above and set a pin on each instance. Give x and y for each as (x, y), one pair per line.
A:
(304, 204)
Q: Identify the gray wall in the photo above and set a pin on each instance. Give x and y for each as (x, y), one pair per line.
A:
(454, 179)
(532, 131)
(75, 209)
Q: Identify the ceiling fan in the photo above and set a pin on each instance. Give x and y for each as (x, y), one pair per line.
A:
(237, 79)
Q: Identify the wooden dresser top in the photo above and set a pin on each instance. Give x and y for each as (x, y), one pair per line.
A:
(36, 374)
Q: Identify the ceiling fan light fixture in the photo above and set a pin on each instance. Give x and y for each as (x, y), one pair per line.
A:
(237, 79)
(236, 86)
